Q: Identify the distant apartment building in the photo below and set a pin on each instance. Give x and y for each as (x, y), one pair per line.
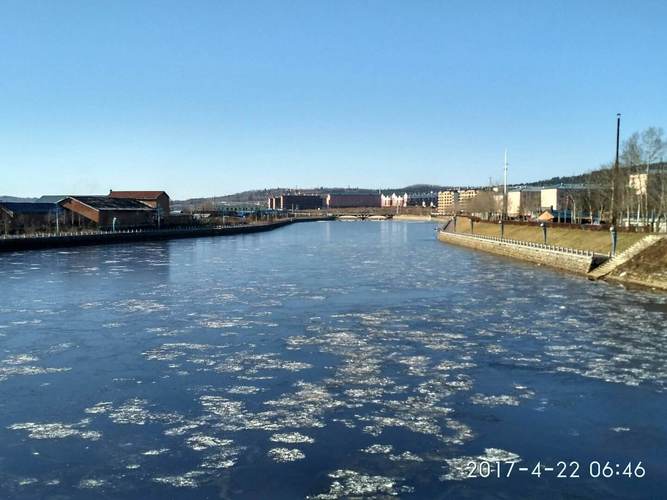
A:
(352, 200)
(295, 202)
(524, 202)
(394, 200)
(427, 199)
(498, 198)
(448, 202)
(559, 198)
(551, 199)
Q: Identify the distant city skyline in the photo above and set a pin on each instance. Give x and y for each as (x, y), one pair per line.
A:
(214, 98)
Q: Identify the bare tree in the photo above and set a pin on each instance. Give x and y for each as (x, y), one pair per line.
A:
(654, 146)
(483, 203)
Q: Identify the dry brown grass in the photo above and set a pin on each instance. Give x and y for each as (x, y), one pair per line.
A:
(647, 268)
(597, 241)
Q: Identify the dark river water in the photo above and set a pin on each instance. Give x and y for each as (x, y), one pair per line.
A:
(324, 360)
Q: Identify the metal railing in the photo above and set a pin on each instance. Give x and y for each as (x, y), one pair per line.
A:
(62, 234)
(527, 244)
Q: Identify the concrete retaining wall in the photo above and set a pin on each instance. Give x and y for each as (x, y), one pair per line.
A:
(577, 261)
(103, 238)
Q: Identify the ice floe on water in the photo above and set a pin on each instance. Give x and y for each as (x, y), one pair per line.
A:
(375, 449)
(28, 481)
(226, 323)
(200, 442)
(101, 407)
(57, 430)
(134, 411)
(187, 480)
(19, 359)
(304, 407)
(282, 455)
(501, 400)
(406, 456)
(91, 484)
(454, 365)
(23, 364)
(244, 389)
(292, 438)
(217, 358)
(349, 483)
(153, 453)
(140, 306)
(222, 458)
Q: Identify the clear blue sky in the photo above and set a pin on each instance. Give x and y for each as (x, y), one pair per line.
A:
(207, 98)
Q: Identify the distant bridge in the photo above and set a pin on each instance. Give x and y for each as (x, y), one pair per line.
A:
(363, 216)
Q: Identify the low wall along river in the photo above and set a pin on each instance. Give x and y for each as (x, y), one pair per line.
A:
(577, 261)
(643, 263)
(37, 242)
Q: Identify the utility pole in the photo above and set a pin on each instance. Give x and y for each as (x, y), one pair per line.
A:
(646, 223)
(504, 216)
(616, 174)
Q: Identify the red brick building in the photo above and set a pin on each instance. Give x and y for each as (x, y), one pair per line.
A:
(102, 210)
(296, 202)
(153, 199)
(349, 200)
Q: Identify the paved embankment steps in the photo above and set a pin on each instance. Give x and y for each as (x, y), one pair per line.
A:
(618, 260)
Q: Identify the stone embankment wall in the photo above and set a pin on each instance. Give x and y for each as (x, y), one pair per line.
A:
(577, 261)
(413, 217)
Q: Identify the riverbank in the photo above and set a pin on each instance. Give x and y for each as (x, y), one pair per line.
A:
(642, 263)
(582, 239)
(566, 259)
(14, 244)
(647, 268)
(422, 218)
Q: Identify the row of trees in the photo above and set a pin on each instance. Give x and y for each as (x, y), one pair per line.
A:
(641, 199)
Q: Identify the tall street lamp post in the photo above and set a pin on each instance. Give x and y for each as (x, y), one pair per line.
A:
(612, 232)
(615, 175)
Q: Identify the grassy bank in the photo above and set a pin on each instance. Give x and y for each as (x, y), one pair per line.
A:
(597, 241)
(649, 268)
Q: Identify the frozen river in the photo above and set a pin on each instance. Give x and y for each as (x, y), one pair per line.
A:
(323, 360)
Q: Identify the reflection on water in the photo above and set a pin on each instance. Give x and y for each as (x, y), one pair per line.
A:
(328, 359)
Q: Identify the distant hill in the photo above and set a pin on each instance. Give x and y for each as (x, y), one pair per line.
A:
(16, 199)
(258, 196)
(594, 175)
(261, 195)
